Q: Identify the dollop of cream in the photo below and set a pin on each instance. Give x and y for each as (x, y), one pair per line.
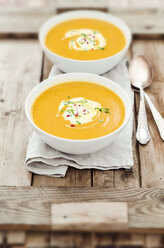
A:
(79, 110)
(85, 39)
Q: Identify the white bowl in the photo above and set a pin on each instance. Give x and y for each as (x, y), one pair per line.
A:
(99, 66)
(70, 145)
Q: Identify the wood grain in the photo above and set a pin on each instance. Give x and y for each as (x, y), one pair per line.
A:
(142, 21)
(17, 237)
(36, 239)
(101, 4)
(44, 239)
(86, 216)
(154, 240)
(152, 155)
(23, 21)
(20, 66)
(71, 239)
(30, 208)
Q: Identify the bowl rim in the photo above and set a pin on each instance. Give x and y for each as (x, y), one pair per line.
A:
(46, 81)
(42, 41)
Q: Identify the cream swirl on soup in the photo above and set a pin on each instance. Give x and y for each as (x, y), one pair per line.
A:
(79, 110)
(85, 39)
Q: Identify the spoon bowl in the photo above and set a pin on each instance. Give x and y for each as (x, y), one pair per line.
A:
(140, 72)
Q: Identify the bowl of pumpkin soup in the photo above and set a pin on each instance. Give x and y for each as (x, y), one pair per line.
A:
(78, 113)
(85, 41)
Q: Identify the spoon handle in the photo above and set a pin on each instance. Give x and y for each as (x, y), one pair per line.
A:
(142, 135)
(157, 116)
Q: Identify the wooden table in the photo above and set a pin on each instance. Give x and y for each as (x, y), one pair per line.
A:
(25, 198)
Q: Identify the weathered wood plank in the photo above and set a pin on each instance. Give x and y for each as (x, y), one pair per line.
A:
(71, 239)
(103, 178)
(101, 4)
(154, 240)
(74, 177)
(136, 3)
(152, 155)
(17, 237)
(37, 239)
(20, 66)
(1, 237)
(27, 21)
(110, 3)
(87, 216)
(23, 21)
(147, 22)
(30, 207)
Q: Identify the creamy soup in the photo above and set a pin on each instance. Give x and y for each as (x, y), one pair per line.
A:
(78, 110)
(85, 39)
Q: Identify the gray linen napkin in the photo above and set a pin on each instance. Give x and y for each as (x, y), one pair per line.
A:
(45, 160)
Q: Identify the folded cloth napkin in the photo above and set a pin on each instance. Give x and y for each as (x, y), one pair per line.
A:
(45, 160)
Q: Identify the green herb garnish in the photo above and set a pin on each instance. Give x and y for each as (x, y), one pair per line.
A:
(100, 109)
(84, 35)
(101, 48)
(68, 102)
(84, 101)
(62, 111)
(101, 120)
(68, 96)
(72, 111)
(78, 122)
(105, 110)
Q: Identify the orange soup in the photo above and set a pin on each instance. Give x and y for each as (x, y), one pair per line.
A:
(85, 39)
(78, 110)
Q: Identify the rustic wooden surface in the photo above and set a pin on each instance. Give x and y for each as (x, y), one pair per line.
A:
(86, 216)
(22, 66)
(30, 207)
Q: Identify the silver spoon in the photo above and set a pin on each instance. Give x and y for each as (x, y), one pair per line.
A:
(141, 76)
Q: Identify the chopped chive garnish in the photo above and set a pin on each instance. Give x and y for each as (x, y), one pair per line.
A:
(78, 122)
(105, 110)
(101, 120)
(72, 111)
(68, 96)
(62, 111)
(84, 101)
(83, 34)
(101, 48)
(69, 102)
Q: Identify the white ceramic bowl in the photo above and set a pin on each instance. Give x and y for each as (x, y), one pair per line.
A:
(70, 145)
(92, 66)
